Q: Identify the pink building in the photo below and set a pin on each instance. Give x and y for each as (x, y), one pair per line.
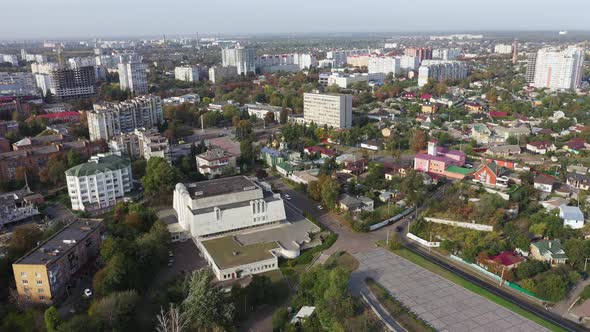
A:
(438, 159)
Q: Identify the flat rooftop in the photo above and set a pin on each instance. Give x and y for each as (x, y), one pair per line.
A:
(227, 252)
(221, 186)
(60, 243)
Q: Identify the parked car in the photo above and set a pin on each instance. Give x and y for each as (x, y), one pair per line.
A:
(287, 197)
(320, 207)
(87, 292)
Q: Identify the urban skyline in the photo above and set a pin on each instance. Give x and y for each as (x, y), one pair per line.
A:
(73, 19)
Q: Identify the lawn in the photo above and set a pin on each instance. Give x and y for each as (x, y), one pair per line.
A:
(396, 309)
(420, 261)
(344, 260)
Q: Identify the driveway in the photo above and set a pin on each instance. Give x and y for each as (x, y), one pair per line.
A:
(441, 303)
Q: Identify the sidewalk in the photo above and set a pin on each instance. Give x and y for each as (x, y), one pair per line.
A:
(562, 307)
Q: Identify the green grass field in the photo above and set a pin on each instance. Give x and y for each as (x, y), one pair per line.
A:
(420, 261)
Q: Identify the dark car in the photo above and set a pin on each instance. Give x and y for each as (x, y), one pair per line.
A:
(399, 229)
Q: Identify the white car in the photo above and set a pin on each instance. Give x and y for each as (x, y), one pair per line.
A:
(170, 253)
(87, 292)
(320, 207)
(287, 197)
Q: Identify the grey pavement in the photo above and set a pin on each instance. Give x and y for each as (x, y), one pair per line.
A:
(442, 303)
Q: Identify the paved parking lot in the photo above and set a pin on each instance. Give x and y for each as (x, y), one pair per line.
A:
(443, 304)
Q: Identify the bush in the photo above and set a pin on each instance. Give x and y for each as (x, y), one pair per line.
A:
(280, 319)
(394, 243)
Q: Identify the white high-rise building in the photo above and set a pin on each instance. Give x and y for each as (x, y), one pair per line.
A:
(384, 64)
(187, 73)
(100, 183)
(109, 119)
(446, 53)
(559, 69)
(219, 74)
(439, 70)
(408, 63)
(503, 49)
(133, 76)
(334, 110)
(243, 58)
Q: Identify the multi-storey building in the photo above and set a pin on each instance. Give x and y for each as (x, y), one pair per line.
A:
(215, 161)
(530, 67)
(269, 63)
(42, 275)
(141, 143)
(187, 73)
(100, 183)
(408, 63)
(17, 84)
(384, 64)
(346, 80)
(9, 58)
(110, 119)
(72, 83)
(559, 69)
(334, 110)
(446, 53)
(339, 58)
(133, 76)
(439, 70)
(503, 49)
(220, 74)
(261, 110)
(422, 53)
(243, 58)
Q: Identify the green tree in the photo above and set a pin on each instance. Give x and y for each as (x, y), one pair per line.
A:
(116, 311)
(24, 238)
(243, 130)
(418, 140)
(56, 168)
(330, 189)
(160, 178)
(205, 304)
(284, 116)
(52, 319)
(314, 190)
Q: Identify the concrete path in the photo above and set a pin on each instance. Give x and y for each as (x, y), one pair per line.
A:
(562, 307)
(440, 302)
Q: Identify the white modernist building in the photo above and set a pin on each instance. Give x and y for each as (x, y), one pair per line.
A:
(187, 73)
(261, 110)
(334, 110)
(559, 69)
(446, 53)
(243, 58)
(440, 70)
(346, 80)
(503, 49)
(384, 64)
(133, 76)
(100, 183)
(110, 119)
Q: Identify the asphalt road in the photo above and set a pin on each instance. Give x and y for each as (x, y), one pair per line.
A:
(353, 242)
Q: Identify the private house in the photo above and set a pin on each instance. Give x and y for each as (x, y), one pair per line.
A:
(544, 182)
(216, 161)
(575, 146)
(503, 150)
(305, 177)
(322, 151)
(572, 216)
(505, 260)
(438, 159)
(506, 132)
(549, 251)
(481, 133)
(490, 174)
(580, 169)
(286, 169)
(354, 204)
(579, 181)
(373, 145)
(473, 107)
(540, 147)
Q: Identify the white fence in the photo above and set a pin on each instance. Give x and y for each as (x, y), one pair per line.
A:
(391, 220)
(477, 227)
(422, 241)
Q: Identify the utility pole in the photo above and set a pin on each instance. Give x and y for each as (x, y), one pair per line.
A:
(387, 240)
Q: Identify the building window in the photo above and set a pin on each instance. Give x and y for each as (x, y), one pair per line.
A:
(41, 297)
(23, 274)
(25, 281)
(39, 282)
(37, 274)
(40, 290)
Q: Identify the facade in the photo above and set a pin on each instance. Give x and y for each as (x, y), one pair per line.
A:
(559, 69)
(438, 70)
(579, 181)
(446, 53)
(544, 183)
(110, 119)
(243, 58)
(530, 67)
(220, 74)
(133, 77)
(72, 83)
(384, 64)
(100, 183)
(346, 80)
(361, 60)
(42, 275)
(422, 53)
(187, 73)
(490, 174)
(540, 147)
(269, 63)
(261, 110)
(408, 63)
(216, 207)
(215, 161)
(326, 109)
(503, 49)
(15, 206)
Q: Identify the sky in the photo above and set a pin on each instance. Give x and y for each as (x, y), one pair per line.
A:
(44, 19)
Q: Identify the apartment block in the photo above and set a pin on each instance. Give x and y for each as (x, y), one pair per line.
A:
(334, 110)
(133, 76)
(42, 274)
